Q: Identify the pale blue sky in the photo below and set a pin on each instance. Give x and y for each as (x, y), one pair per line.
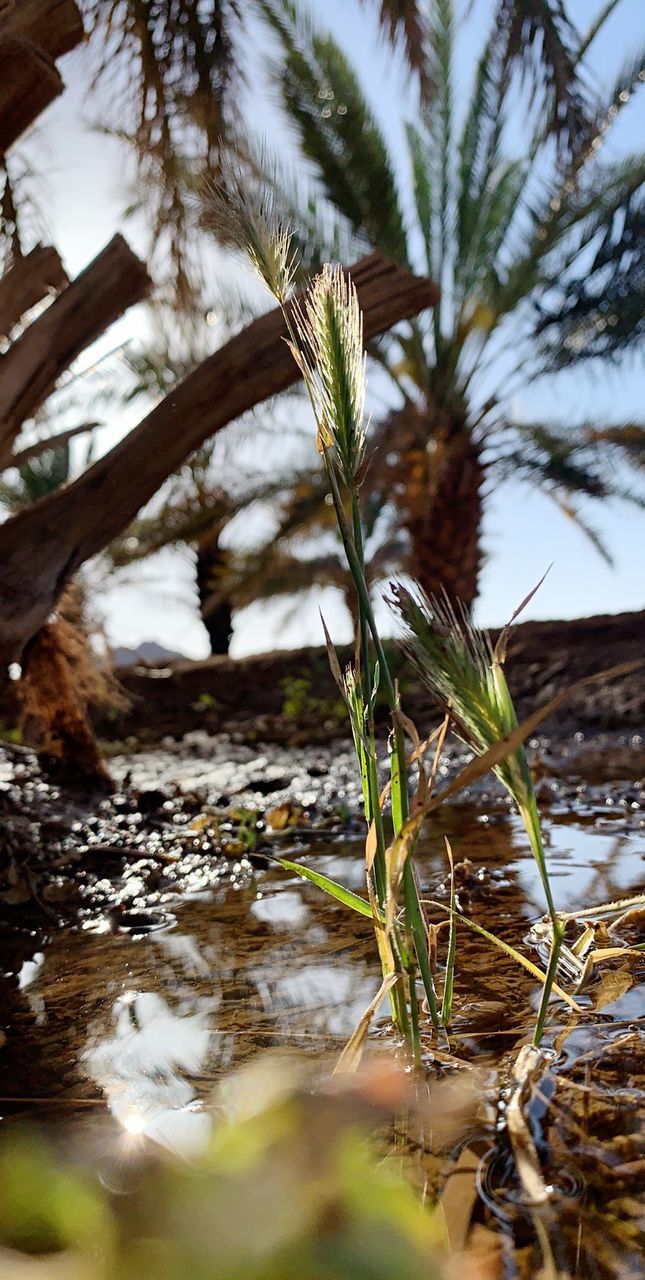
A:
(523, 532)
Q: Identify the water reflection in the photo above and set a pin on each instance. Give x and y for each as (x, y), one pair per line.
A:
(140, 1070)
(149, 1024)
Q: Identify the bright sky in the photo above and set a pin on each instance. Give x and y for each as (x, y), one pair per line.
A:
(523, 531)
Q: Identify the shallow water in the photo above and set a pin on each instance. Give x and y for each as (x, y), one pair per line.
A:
(126, 1023)
(146, 1022)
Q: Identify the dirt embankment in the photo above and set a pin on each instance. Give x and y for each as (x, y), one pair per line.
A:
(291, 695)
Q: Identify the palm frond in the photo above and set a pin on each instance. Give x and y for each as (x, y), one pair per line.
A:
(595, 28)
(165, 74)
(441, 128)
(280, 573)
(37, 478)
(496, 209)
(602, 312)
(481, 135)
(543, 41)
(625, 83)
(573, 513)
(627, 438)
(407, 20)
(424, 190)
(585, 461)
(549, 457)
(337, 130)
(563, 220)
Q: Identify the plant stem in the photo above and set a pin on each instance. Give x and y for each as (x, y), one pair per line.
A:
(531, 820)
(400, 798)
(556, 944)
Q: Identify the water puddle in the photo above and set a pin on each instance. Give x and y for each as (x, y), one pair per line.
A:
(146, 1022)
(124, 1021)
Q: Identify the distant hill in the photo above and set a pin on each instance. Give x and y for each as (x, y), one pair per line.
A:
(148, 651)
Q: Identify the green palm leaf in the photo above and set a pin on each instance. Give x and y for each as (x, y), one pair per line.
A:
(337, 130)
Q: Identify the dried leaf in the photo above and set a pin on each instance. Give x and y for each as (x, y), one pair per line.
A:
(370, 846)
(614, 983)
(200, 822)
(277, 819)
(459, 1198)
(333, 660)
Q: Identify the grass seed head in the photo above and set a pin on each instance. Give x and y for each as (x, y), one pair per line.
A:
(243, 214)
(457, 664)
(330, 325)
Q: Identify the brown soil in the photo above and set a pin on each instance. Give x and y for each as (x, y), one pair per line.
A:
(259, 698)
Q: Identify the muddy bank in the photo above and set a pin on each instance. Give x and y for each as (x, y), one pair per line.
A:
(188, 815)
(291, 696)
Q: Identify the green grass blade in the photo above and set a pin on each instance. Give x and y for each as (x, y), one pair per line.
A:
(515, 955)
(399, 805)
(549, 983)
(328, 886)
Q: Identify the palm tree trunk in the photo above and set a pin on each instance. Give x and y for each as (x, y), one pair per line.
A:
(442, 511)
(216, 615)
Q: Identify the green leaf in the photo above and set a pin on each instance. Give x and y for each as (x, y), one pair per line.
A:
(338, 132)
(328, 886)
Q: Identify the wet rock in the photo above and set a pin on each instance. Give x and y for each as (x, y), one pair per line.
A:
(152, 801)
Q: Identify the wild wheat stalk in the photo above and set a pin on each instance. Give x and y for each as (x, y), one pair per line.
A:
(326, 340)
(460, 667)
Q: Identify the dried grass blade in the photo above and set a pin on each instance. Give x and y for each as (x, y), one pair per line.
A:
(526, 1158)
(446, 1004)
(502, 642)
(350, 1058)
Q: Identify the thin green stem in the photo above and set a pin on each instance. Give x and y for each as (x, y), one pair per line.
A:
(551, 973)
(414, 1019)
(531, 819)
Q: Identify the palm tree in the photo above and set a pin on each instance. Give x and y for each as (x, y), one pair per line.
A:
(541, 263)
(305, 553)
(171, 72)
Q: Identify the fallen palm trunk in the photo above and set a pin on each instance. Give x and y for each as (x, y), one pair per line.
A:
(41, 548)
(33, 34)
(29, 82)
(112, 283)
(55, 26)
(27, 282)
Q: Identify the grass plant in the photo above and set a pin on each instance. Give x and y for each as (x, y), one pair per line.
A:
(458, 663)
(465, 673)
(326, 339)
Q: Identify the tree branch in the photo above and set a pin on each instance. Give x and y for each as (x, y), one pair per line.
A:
(27, 282)
(114, 281)
(41, 548)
